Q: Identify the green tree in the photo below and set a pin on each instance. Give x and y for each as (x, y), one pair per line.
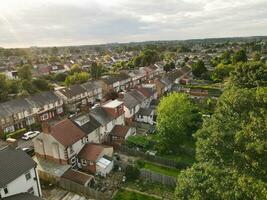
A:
(25, 73)
(27, 85)
(230, 150)
(256, 56)
(249, 75)
(198, 68)
(131, 172)
(177, 119)
(96, 70)
(221, 71)
(3, 88)
(60, 77)
(77, 78)
(41, 85)
(75, 69)
(239, 56)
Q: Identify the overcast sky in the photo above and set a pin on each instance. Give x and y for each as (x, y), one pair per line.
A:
(73, 22)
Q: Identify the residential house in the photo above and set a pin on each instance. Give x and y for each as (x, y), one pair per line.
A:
(96, 159)
(149, 91)
(145, 115)
(47, 105)
(137, 77)
(108, 115)
(115, 109)
(90, 126)
(16, 114)
(143, 101)
(74, 97)
(131, 106)
(117, 83)
(160, 87)
(17, 173)
(60, 142)
(94, 91)
(106, 120)
(120, 133)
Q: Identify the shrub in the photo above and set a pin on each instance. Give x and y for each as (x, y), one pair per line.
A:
(140, 163)
(132, 172)
(17, 134)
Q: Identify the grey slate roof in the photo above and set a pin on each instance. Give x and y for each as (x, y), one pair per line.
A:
(72, 91)
(12, 107)
(144, 111)
(129, 101)
(115, 78)
(90, 126)
(90, 86)
(42, 99)
(22, 196)
(14, 163)
(101, 115)
(137, 95)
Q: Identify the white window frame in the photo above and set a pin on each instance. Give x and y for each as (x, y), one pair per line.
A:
(28, 175)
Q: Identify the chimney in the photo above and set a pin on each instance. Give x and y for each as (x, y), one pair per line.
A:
(121, 95)
(46, 128)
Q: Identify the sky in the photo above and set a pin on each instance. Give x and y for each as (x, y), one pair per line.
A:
(25, 23)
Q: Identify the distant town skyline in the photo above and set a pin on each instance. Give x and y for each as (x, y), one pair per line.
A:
(83, 22)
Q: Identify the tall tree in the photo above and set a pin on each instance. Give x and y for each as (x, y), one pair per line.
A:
(198, 68)
(3, 88)
(239, 56)
(177, 119)
(249, 75)
(25, 73)
(96, 70)
(235, 140)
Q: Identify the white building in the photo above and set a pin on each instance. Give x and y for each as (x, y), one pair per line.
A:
(18, 173)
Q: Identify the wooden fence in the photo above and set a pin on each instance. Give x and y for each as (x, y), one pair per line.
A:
(158, 178)
(84, 191)
(151, 158)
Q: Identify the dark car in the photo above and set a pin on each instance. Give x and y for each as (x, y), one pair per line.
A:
(29, 151)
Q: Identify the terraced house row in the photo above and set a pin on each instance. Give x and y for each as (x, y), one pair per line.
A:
(143, 85)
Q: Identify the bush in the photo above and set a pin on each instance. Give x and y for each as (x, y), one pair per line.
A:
(140, 163)
(17, 134)
(132, 172)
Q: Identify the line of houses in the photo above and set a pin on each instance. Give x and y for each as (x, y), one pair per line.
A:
(143, 85)
(81, 145)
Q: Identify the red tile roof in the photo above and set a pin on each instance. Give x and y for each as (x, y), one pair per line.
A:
(66, 132)
(77, 176)
(120, 131)
(91, 152)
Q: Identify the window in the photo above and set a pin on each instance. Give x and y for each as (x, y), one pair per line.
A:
(44, 116)
(5, 190)
(28, 175)
(31, 191)
(84, 162)
(71, 149)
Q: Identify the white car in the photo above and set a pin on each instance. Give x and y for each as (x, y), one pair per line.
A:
(30, 135)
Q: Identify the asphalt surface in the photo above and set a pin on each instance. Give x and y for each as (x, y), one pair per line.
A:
(25, 143)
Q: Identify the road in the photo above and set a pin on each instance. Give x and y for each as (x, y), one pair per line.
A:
(24, 143)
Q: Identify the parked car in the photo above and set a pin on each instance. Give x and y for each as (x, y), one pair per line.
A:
(29, 151)
(30, 135)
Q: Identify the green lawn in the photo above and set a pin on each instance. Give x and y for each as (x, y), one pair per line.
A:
(186, 159)
(152, 188)
(128, 195)
(161, 169)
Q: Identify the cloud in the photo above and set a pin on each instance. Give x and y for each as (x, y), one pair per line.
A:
(72, 22)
